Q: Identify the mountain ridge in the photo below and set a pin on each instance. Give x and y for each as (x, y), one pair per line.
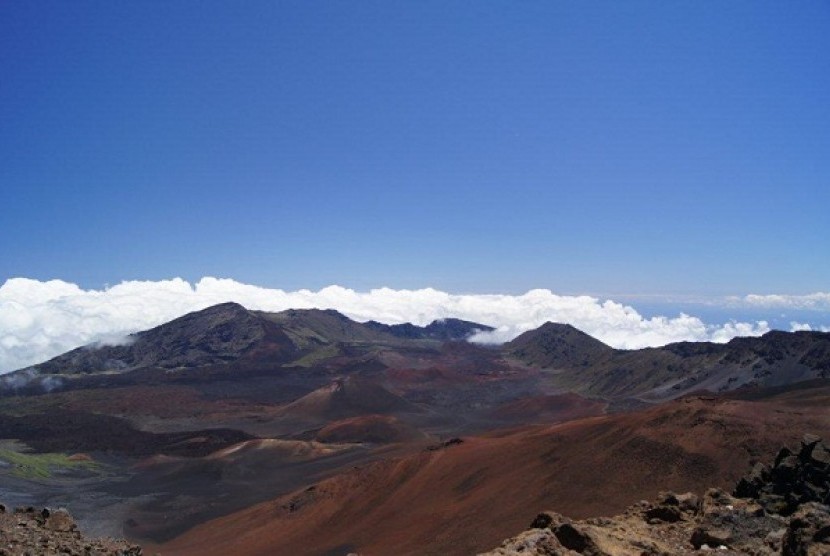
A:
(448, 329)
(227, 332)
(228, 338)
(586, 365)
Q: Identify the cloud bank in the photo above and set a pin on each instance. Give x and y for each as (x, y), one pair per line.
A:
(819, 301)
(39, 320)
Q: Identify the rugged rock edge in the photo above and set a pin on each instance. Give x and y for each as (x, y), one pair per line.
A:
(778, 509)
(27, 531)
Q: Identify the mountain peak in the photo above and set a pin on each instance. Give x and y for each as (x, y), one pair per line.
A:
(557, 345)
(214, 335)
(560, 327)
(227, 306)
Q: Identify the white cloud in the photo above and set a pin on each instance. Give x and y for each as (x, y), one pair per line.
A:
(39, 320)
(796, 326)
(819, 301)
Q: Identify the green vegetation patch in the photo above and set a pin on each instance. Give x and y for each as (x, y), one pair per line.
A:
(42, 466)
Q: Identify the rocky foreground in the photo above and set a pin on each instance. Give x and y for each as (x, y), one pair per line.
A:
(28, 532)
(778, 509)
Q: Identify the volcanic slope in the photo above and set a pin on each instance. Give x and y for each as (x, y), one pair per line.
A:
(347, 397)
(443, 329)
(582, 364)
(215, 335)
(229, 339)
(226, 366)
(221, 334)
(466, 495)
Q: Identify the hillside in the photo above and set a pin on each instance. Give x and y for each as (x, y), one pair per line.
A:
(463, 497)
(228, 338)
(216, 335)
(344, 398)
(778, 508)
(558, 346)
(585, 365)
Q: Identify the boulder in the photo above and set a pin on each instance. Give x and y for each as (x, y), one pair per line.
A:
(794, 478)
(808, 532)
(59, 520)
(545, 520)
(575, 538)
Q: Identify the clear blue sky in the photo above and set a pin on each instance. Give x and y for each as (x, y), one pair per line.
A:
(586, 147)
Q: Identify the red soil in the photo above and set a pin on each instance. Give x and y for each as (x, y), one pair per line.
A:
(551, 409)
(468, 497)
(377, 429)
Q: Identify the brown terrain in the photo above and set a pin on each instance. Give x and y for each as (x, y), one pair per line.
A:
(776, 509)
(467, 497)
(304, 432)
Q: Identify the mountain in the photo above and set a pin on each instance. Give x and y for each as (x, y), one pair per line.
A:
(216, 335)
(347, 397)
(587, 366)
(312, 328)
(219, 335)
(229, 339)
(446, 330)
(557, 345)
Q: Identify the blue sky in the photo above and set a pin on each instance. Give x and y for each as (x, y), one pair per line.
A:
(609, 148)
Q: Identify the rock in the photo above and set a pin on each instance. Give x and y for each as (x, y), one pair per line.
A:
(751, 485)
(687, 502)
(716, 501)
(774, 538)
(445, 444)
(782, 453)
(820, 455)
(667, 514)
(711, 537)
(785, 471)
(809, 526)
(573, 538)
(51, 531)
(809, 440)
(59, 520)
(545, 519)
(776, 510)
(793, 480)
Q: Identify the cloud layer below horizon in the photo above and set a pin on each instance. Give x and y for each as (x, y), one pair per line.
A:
(39, 320)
